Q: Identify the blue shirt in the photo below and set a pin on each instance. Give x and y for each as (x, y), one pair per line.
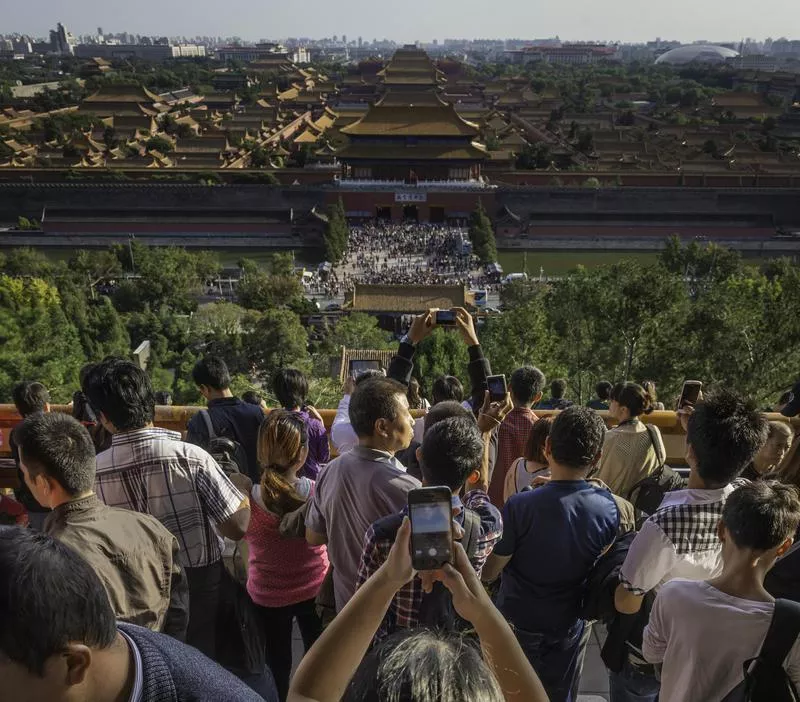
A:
(554, 535)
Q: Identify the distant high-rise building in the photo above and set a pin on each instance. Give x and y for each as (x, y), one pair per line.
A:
(100, 31)
(61, 41)
(360, 42)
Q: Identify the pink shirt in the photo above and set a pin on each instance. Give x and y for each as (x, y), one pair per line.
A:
(281, 571)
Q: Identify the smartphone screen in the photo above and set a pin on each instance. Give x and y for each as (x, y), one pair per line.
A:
(690, 393)
(431, 516)
(445, 318)
(497, 387)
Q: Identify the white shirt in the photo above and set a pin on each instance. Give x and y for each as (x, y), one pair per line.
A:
(419, 429)
(703, 637)
(343, 436)
(679, 541)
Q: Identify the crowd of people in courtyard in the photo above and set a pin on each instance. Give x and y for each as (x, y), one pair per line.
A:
(389, 253)
(142, 563)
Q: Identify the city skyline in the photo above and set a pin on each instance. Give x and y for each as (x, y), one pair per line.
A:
(581, 20)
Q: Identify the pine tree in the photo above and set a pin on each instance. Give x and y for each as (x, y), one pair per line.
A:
(481, 235)
(337, 234)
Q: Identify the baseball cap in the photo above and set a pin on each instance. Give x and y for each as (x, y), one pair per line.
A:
(792, 407)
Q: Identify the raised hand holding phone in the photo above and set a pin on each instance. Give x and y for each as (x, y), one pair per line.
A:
(431, 513)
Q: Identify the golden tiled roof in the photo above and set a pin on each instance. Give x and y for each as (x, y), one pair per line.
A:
(383, 357)
(411, 121)
(407, 299)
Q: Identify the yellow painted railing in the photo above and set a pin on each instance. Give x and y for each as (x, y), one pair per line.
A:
(176, 418)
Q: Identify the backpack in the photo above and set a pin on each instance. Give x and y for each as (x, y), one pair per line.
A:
(765, 679)
(598, 597)
(646, 496)
(436, 610)
(229, 454)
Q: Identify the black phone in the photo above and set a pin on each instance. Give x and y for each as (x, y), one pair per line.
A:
(690, 393)
(497, 387)
(431, 513)
(445, 318)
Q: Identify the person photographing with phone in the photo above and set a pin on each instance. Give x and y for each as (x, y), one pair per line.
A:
(417, 665)
(451, 456)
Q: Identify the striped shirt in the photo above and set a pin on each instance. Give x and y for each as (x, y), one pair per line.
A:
(152, 471)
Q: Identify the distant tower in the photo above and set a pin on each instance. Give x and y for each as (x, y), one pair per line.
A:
(61, 41)
(100, 31)
(344, 39)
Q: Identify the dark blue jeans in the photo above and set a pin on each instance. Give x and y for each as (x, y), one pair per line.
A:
(632, 684)
(555, 657)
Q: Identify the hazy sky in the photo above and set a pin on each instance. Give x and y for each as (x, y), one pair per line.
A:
(410, 20)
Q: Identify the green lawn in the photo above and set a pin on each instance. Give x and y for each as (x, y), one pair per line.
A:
(560, 262)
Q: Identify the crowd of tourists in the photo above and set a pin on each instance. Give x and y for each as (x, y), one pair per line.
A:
(406, 254)
(139, 563)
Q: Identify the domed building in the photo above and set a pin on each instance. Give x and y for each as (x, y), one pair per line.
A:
(702, 53)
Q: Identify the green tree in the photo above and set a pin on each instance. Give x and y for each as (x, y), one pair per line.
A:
(37, 341)
(160, 144)
(277, 340)
(337, 232)
(263, 290)
(520, 336)
(358, 331)
(168, 276)
(481, 235)
(442, 353)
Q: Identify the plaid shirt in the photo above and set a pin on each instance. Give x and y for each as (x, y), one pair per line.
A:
(154, 472)
(678, 541)
(512, 435)
(403, 612)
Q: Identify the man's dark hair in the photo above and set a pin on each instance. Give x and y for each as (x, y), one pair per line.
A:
(251, 397)
(785, 397)
(444, 410)
(557, 388)
(365, 375)
(576, 437)
(122, 392)
(603, 389)
(30, 397)
(451, 450)
(762, 515)
(447, 387)
(526, 383)
(163, 397)
(211, 371)
(290, 387)
(60, 446)
(49, 597)
(725, 432)
(420, 665)
(372, 400)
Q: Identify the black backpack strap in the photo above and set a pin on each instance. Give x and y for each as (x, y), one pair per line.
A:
(472, 530)
(209, 424)
(661, 458)
(782, 633)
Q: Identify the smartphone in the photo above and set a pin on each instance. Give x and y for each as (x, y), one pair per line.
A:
(690, 393)
(431, 513)
(497, 387)
(445, 318)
